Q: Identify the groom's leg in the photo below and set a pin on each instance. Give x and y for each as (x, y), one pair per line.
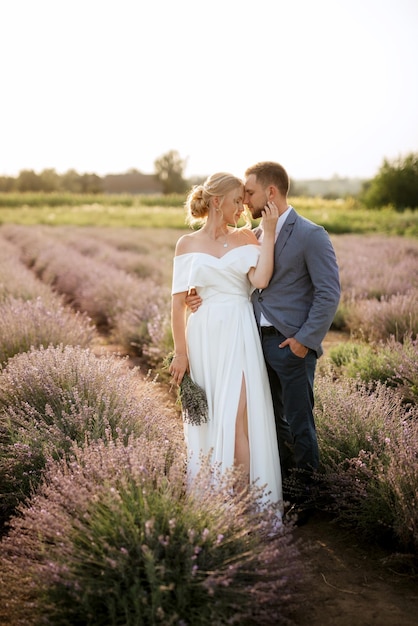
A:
(292, 378)
(284, 434)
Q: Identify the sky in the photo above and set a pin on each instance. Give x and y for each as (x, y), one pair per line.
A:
(324, 87)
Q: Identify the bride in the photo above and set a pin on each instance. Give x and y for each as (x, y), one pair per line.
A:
(219, 344)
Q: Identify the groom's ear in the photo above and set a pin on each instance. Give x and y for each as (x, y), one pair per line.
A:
(270, 192)
(273, 193)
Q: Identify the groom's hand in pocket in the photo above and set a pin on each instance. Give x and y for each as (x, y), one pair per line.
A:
(296, 347)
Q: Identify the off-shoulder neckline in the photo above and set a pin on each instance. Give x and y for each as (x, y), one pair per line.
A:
(213, 256)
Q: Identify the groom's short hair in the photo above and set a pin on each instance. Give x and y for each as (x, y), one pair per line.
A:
(270, 173)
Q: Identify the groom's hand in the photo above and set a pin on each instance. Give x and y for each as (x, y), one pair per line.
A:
(296, 347)
(193, 300)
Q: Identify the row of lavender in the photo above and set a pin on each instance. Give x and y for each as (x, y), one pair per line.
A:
(121, 279)
(366, 392)
(97, 527)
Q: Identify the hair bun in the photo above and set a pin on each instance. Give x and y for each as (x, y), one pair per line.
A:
(198, 200)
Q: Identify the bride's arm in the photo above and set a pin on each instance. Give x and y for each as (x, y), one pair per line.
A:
(260, 275)
(180, 363)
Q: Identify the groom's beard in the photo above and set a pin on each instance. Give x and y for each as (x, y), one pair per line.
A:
(256, 213)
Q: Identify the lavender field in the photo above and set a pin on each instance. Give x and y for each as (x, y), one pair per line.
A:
(96, 525)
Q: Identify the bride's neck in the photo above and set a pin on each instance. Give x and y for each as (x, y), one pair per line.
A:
(215, 230)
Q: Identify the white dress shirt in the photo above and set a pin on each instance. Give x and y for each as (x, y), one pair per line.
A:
(263, 320)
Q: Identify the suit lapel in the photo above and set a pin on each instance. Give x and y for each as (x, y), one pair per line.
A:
(285, 232)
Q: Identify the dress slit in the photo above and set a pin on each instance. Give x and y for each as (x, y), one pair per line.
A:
(242, 444)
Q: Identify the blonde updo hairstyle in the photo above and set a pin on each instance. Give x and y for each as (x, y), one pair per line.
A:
(198, 200)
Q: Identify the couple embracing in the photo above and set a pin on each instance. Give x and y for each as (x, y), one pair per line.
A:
(265, 299)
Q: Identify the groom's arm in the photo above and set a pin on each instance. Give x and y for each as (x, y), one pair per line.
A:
(323, 270)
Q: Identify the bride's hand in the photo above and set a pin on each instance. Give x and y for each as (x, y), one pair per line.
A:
(270, 215)
(178, 367)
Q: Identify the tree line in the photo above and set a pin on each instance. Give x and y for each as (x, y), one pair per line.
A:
(168, 178)
(395, 184)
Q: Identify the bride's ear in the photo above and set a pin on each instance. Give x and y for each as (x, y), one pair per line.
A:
(216, 200)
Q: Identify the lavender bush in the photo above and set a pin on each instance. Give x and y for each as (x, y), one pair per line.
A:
(379, 280)
(376, 320)
(53, 397)
(375, 267)
(143, 327)
(116, 301)
(110, 538)
(369, 445)
(16, 280)
(83, 281)
(124, 250)
(32, 324)
(95, 269)
(390, 362)
(144, 243)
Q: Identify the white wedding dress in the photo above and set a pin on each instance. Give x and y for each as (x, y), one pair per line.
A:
(224, 346)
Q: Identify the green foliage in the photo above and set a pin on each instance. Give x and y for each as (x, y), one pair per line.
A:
(49, 181)
(169, 200)
(362, 361)
(169, 170)
(395, 184)
(391, 363)
(65, 199)
(153, 211)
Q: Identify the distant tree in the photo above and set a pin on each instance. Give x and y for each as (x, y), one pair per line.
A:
(28, 180)
(396, 183)
(7, 183)
(50, 180)
(91, 183)
(169, 170)
(71, 181)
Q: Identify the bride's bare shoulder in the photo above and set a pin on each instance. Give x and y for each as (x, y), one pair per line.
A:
(186, 243)
(247, 236)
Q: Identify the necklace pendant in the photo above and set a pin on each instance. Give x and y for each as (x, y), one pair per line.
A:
(225, 245)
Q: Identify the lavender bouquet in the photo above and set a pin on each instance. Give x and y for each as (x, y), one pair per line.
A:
(193, 399)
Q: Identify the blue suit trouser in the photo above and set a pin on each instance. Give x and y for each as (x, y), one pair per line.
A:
(292, 387)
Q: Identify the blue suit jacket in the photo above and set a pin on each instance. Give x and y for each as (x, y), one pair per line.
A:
(303, 294)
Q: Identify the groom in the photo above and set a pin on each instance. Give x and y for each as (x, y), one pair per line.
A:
(293, 313)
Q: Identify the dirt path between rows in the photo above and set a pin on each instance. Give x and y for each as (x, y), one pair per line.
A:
(353, 583)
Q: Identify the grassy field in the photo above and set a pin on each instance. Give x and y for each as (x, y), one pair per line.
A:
(337, 216)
